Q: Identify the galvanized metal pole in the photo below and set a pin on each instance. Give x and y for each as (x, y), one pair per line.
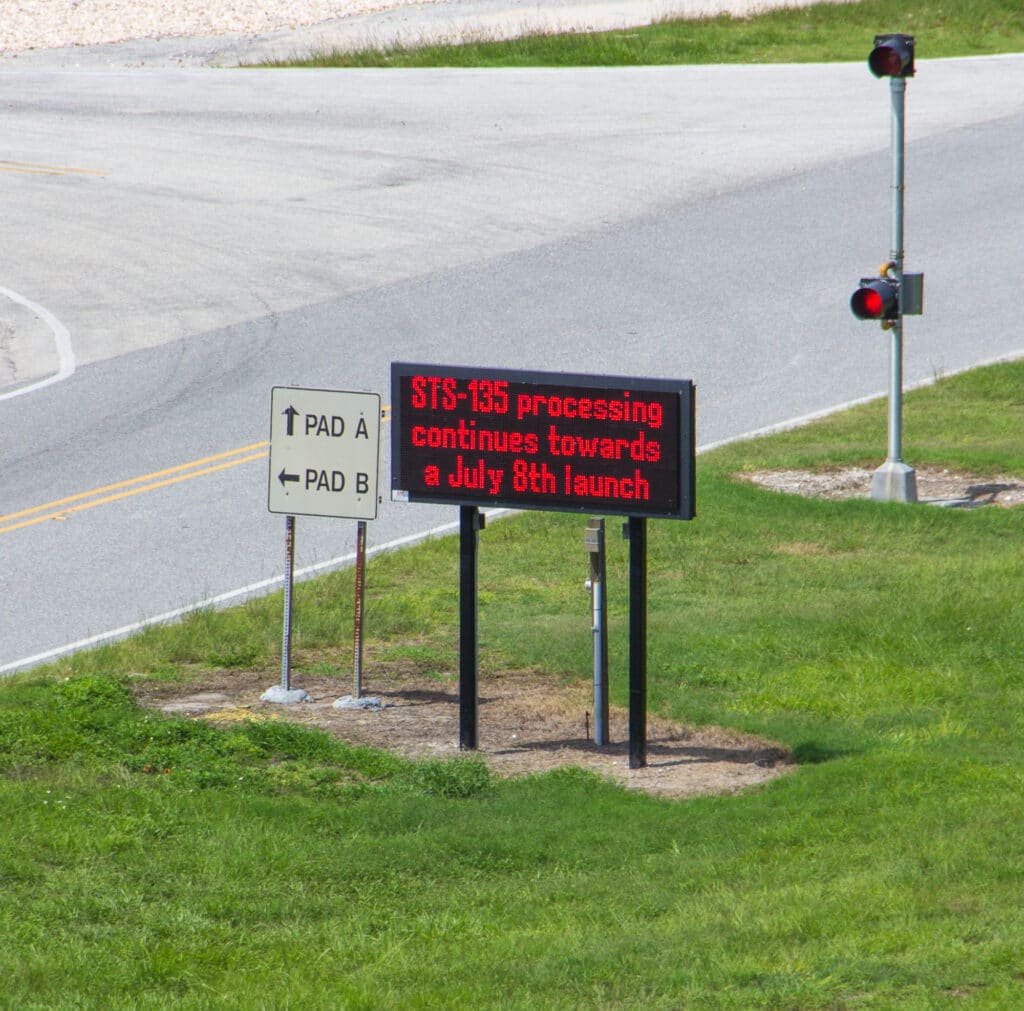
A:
(898, 92)
(360, 598)
(289, 578)
(599, 604)
(895, 481)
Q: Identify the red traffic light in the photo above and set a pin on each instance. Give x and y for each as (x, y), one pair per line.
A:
(876, 298)
(893, 56)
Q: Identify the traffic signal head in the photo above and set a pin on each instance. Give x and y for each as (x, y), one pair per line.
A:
(876, 298)
(893, 56)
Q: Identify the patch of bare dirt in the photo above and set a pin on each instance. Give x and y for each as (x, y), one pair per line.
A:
(527, 725)
(935, 486)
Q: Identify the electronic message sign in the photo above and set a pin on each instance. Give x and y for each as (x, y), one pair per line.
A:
(542, 440)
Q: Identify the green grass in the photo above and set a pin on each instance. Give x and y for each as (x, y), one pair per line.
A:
(274, 867)
(820, 33)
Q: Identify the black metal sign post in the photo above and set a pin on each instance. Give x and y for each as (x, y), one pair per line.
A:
(470, 524)
(637, 533)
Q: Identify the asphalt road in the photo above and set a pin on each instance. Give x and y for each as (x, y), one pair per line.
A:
(206, 235)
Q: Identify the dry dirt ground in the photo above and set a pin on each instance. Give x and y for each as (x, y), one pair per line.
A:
(527, 724)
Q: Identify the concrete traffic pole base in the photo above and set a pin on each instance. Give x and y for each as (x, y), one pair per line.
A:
(894, 481)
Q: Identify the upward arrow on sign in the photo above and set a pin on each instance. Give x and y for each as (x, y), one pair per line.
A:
(291, 414)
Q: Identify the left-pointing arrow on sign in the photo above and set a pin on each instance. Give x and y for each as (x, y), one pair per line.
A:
(284, 477)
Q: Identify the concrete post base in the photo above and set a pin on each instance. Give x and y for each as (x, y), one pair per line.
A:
(894, 482)
(284, 697)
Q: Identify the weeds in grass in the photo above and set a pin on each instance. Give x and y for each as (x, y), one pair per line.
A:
(94, 720)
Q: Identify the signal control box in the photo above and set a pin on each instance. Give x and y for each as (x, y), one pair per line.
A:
(912, 295)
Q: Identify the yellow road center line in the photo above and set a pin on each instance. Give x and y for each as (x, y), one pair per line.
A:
(147, 482)
(56, 510)
(64, 513)
(34, 168)
(134, 480)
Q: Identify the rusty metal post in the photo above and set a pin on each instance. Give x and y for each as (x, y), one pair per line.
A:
(360, 600)
(289, 579)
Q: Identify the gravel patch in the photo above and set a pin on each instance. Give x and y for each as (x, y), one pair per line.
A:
(935, 485)
(41, 26)
(49, 24)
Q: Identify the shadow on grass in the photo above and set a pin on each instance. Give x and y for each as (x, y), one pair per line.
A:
(813, 753)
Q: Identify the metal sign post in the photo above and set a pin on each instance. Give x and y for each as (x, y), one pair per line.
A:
(323, 461)
(471, 522)
(284, 693)
(360, 593)
(289, 579)
(595, 541)
(637, 532)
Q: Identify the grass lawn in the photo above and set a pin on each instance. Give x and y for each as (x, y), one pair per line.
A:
(820, 33)
(275, 867)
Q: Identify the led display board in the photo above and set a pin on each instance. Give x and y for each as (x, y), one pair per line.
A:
(542, 440)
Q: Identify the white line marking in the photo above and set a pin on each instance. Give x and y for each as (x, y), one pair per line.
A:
(241, 593)
(806, 419)
(336, 563)
(61, 338)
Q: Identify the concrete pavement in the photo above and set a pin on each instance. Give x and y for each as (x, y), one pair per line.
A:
(142, 200)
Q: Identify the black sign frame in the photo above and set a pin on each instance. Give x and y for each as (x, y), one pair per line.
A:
(459, 395)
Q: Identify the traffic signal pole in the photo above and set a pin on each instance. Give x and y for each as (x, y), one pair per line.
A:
(893, 294)
(896, 481)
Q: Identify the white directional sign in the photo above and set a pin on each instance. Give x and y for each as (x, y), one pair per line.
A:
(324, 453)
